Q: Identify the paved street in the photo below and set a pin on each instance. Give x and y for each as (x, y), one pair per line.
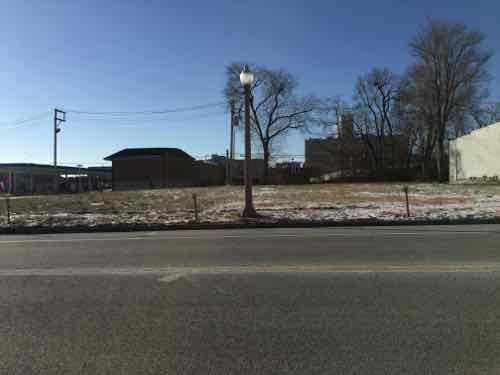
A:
(391, 300)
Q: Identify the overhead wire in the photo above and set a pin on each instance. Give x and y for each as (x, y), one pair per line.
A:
(150, 112)
(139, 122)
(21, 122)
(126, 118)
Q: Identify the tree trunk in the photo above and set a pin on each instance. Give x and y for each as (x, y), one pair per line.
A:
(438, 162)
(427, 170)
(441, 161)
(267, 155)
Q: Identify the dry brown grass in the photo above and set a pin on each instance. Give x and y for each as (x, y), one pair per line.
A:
(176, 200)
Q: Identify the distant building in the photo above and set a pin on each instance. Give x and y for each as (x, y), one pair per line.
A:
(476, 155)
(29, 178)
(291, 165)
(344, 154)
(148, 168)
(238, 168)
(218, 160)
(289, 172)
(347, 155)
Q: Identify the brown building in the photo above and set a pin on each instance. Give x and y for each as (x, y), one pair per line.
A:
(332, 155)
(148, 168)
(347, 155)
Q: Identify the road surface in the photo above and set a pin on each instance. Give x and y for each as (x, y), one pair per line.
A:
(389, 300)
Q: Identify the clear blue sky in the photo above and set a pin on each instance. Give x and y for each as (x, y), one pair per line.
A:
(139, 55)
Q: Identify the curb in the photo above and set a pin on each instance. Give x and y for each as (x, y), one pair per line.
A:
(103, 228)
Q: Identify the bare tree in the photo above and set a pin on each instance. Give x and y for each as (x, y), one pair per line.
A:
(329, 115)
(275, 109)
(332, 113)
(487, 114)
(408, 123)
(448, 80)
(375, 97)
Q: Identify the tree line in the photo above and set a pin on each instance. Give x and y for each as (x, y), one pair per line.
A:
(442, 95)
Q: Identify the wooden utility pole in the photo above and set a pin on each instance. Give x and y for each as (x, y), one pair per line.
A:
(228, 167)
(59, 117)
(56, 130)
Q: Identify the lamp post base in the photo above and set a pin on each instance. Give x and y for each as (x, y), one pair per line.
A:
(250, 212)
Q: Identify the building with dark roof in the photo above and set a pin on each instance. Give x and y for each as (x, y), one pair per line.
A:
(149, 168)
(149, 152)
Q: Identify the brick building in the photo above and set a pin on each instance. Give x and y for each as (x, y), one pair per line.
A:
(148, 168)
(348, 155)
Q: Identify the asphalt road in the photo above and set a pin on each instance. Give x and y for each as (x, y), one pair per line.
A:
(407, 300)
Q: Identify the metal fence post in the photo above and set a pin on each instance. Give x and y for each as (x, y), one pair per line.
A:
(7, 206)
(195, 208)
(407, 201)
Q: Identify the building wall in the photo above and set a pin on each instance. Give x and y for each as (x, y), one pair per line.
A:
(208, 175)
(476, 155)
(137, 173)
(5, 185)
(27, 181)
(350, 156)
(183, 172)
(41, 179)
(238, 171)
(292, 175)
(337, 155)
(164, 171)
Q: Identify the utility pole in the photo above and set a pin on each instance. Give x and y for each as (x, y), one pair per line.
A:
(228, 166)
(59, 117)
(80, 174)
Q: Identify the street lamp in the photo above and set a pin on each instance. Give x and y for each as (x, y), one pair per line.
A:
(246, 79)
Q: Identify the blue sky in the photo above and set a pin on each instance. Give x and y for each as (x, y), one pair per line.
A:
(149, 55)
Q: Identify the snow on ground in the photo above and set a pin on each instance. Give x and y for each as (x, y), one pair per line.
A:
(327, 202)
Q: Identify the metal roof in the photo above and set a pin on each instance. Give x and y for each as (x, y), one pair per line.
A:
(47, 168)
(35, 166)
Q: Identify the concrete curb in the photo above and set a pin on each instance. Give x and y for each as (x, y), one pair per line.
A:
(236, 225)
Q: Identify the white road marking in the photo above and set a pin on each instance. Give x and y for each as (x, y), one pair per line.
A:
(246, 236)
(173, 277)
(169, 274)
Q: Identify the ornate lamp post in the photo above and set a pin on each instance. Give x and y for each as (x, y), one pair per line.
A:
(246, 79)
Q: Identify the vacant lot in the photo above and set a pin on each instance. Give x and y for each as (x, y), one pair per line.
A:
(224, 204)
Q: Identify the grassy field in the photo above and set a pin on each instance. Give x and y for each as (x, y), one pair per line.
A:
(224, 204)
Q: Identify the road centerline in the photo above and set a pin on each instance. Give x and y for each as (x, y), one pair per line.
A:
(349, 234)
(172, 273)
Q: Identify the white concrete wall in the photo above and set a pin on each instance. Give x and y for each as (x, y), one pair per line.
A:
(476, 155)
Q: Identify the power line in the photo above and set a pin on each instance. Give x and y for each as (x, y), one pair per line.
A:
(157, 112)
(124, 117)
(131, 123)
(143, 119)
(19, 122)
